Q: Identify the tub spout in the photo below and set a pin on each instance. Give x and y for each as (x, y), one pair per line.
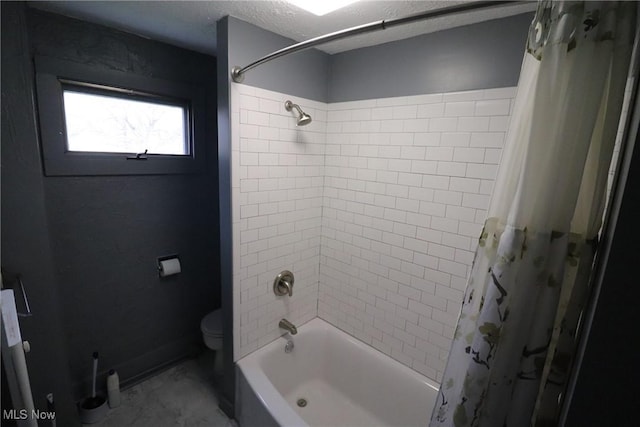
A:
(285, 324)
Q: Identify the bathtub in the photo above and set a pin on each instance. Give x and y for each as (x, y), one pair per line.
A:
(343, 381)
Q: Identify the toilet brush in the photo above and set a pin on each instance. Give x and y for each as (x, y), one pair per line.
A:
(94, 408)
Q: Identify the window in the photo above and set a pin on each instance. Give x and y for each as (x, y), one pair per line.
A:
(103, 122)
(106, 123)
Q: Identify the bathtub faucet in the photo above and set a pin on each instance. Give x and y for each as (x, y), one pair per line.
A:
(285, 324)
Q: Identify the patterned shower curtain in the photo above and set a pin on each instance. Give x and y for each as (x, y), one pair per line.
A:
(514, 342)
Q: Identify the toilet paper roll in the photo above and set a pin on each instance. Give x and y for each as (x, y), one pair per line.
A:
(169, 267)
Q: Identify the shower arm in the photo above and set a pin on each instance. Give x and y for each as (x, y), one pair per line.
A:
(237, 73)
(289, 105)
(298, 108)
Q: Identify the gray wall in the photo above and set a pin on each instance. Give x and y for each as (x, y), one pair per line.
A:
(228, 390)
(478, 56)
(106, 232)
(301, 74)
(607, 382)
(26, 245)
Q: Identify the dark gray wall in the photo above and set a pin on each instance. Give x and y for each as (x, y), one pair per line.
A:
(478, 56)
(26, 245)
(106, 232)
(228, 393)
(606, 385)
(301, 74)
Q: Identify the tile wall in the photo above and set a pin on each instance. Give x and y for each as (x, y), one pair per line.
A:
(407, 185)
(277, 180)
(375, 206)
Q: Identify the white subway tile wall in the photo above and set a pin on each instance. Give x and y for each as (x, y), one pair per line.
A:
(407, 186)
(375, 206)
(277, 191)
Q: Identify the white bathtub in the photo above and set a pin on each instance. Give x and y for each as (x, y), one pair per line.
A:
(344, 381)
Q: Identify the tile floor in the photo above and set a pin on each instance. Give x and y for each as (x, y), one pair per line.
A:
(182, 396)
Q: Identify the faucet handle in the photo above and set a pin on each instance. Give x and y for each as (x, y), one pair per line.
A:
(283, 284)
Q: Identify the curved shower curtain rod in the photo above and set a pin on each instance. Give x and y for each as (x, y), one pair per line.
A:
(237, 73)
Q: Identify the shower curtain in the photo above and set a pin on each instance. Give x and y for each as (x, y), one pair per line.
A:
(514, 340)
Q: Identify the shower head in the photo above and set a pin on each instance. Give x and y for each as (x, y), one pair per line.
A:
(303, 118)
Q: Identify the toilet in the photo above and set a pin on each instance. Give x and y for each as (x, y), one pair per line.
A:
(211, 326)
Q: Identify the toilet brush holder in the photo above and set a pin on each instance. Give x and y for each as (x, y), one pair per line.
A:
(93, 409)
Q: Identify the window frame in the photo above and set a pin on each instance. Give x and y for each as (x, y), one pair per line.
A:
(54, 75)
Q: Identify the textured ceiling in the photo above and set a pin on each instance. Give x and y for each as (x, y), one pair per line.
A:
(192, 24)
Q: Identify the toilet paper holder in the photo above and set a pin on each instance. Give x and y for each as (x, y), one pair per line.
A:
(169, 265)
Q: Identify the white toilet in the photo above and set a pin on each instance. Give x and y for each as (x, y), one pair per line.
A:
(211, 326)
